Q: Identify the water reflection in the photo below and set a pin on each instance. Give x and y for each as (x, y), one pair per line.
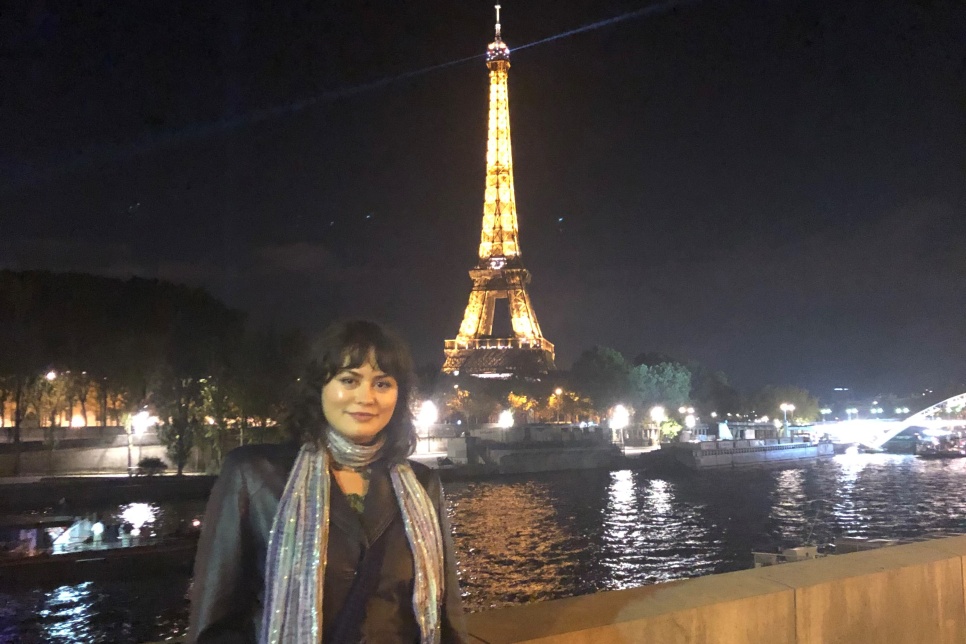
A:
(547, 536)
(515, 539)
(66, 614)
(138, 514)
(649, 536)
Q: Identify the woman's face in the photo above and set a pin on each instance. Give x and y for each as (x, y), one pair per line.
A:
(358, 402)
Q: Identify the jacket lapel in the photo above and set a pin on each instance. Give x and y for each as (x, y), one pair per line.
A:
(381, 507)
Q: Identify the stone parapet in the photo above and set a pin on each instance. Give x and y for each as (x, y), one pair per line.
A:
(903, 594)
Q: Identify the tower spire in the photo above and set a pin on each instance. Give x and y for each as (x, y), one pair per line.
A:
(499, 274)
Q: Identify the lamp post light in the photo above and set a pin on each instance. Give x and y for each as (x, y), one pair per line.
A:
(138, 425)
(620, 417)
(426, 416)
(852, 411)
(558, 392)
(824, 411)
(786, 407)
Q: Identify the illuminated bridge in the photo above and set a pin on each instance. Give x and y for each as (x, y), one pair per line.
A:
(942, 416)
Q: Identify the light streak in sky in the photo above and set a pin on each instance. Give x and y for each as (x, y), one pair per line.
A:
(112, 154)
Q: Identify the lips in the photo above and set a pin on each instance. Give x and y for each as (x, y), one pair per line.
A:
(362, 417)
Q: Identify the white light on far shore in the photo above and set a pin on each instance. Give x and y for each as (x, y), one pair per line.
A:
(506, 419)
(620, 417)
(141, 421)
(427, 415)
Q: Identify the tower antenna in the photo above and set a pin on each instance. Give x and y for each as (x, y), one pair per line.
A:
(497, 21)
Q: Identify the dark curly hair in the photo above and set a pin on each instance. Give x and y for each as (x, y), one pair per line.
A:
(348, 345)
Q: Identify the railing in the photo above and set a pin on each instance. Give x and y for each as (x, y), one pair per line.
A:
(499, 343)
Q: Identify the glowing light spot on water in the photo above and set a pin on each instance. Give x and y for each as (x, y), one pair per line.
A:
(139, 515)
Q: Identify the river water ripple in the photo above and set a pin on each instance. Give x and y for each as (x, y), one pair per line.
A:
(526, 539)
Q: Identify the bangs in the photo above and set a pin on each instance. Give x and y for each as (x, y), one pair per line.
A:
(387, 359)
(357, 343)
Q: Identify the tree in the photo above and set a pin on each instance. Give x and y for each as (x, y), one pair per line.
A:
(220, 413)
(522, 404)
(711, 391)
(666, 383)
(602, 374)
(670, 429)
(179, 404)
(767, 401)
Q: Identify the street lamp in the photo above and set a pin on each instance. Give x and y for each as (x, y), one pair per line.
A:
(138, 425)
(427, 415)
(505, 420)
(823, 411)
(852, 411)
(658, 414)
(786, 407)
(620, 417)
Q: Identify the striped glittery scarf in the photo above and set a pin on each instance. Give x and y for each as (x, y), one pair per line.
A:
(296, 558)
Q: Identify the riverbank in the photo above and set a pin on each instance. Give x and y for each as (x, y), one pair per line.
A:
(53, 492)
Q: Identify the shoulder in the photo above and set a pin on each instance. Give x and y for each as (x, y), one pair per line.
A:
(254, 458)
(427, 476)
(423, 472)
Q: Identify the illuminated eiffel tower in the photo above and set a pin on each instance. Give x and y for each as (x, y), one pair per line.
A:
(500, 272)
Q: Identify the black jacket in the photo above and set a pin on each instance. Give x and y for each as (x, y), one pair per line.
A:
(229, 578)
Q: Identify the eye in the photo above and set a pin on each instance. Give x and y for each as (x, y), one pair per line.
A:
(348, 381)
(386, 385)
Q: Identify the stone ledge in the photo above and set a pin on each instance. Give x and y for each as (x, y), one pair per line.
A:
(901, 594)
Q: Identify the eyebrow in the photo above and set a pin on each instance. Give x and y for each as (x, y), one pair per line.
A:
(378, 376)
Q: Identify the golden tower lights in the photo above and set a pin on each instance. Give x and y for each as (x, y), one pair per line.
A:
(500, 272)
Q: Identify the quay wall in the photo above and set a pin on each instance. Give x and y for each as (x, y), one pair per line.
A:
(76, 460)
(29, 494)
(895, 595)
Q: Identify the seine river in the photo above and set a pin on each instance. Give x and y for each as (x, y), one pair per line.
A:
(541, 537)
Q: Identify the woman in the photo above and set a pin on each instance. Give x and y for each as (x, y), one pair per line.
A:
(339, 540)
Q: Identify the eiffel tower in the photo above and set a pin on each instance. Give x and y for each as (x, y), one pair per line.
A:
(500, 272)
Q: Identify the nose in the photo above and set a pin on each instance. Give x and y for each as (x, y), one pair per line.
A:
(366, 395)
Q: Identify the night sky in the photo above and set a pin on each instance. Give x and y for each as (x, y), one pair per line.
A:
(774, 188)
